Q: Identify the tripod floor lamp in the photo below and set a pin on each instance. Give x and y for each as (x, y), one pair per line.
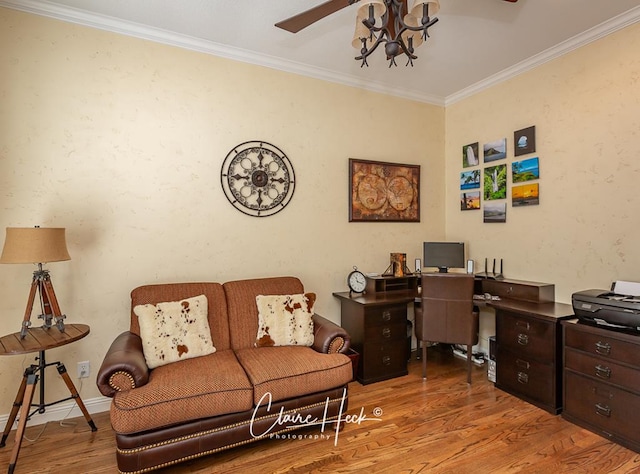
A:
(38, 245)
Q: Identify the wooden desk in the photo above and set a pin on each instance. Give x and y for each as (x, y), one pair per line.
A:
(38, 340)
(528, 336)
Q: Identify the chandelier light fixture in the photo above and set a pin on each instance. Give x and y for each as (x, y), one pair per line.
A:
(392, 22)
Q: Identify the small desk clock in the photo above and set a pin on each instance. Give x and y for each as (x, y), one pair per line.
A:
(357, 281)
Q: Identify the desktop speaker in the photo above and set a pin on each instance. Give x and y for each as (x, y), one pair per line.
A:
(470, 265)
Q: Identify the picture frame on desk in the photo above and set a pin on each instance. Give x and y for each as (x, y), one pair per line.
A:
(383, 192)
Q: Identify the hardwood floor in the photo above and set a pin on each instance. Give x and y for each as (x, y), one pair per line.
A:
(441, 426)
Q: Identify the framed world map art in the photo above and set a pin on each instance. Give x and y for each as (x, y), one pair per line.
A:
(383, 192)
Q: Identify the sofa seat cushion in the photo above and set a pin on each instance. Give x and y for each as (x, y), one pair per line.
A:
(291, 371)
(187, 390)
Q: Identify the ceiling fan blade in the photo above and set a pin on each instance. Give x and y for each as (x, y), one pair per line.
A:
(304, 19)
(512, 1)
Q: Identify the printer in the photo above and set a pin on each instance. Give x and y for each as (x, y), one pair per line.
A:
(618, 308)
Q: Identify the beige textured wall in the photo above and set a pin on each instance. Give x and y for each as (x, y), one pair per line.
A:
(121, 141)
(586, 109)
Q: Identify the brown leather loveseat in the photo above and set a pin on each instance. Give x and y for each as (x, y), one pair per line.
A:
(233, 396)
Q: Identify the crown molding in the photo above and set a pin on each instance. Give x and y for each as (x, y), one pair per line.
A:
(614, 24)
(157, 35)
(115, 25)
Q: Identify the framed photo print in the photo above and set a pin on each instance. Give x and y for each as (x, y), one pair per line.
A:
(383, 192)
(470, 201)
(525, 170)
(470, 155)
(524, 141)
(495, 182)
(496, 150)
(470, 179)
(495, 212)
(525, 195)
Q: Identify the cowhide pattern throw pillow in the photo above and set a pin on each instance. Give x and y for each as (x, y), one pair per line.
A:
(285, 320)
(175, 330)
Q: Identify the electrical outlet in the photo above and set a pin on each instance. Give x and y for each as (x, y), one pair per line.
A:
(83, 369)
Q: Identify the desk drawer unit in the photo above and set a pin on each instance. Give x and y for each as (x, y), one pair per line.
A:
(526, 376)
(386, 316)
(527, 360)
(384, 350)
(519, 290)
(602, 382)
(602, 369)
(603, 343)
(382, 361)
(379, 333)
(527, 337)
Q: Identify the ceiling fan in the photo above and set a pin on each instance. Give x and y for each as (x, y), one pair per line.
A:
(308, 17)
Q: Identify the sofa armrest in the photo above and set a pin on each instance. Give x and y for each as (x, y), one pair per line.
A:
(124, 366)
(329, 337)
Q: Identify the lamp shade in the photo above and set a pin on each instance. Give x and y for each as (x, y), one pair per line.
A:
(34, 245)
(362, 32)
(379, 9)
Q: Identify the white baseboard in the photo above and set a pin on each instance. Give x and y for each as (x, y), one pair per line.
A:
(62, 411)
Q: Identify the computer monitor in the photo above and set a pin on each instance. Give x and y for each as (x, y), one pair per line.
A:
(443, 255)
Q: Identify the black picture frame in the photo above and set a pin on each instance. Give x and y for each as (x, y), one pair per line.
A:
(524, 141)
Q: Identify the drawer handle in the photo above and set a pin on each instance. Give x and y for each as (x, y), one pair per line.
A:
(603, 372)
(523, 378)
(523, 324)
(386, 332)
(523, 364)
(386, 315)
(603, 410)
(386, 360)
(603, 348)
(523, 339)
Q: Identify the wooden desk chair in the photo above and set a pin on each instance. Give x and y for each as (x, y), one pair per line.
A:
(447, 314)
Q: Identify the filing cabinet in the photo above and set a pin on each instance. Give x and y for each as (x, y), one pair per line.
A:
(602, 382)
(529, 351)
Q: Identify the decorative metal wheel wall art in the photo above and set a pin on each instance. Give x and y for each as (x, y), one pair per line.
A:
(257, 178)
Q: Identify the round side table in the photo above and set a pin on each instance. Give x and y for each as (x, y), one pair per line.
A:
(39, 340)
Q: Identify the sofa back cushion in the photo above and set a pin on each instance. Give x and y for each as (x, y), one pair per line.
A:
(285, 320)
(216, 305)
(243, 310)
(174, 330)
